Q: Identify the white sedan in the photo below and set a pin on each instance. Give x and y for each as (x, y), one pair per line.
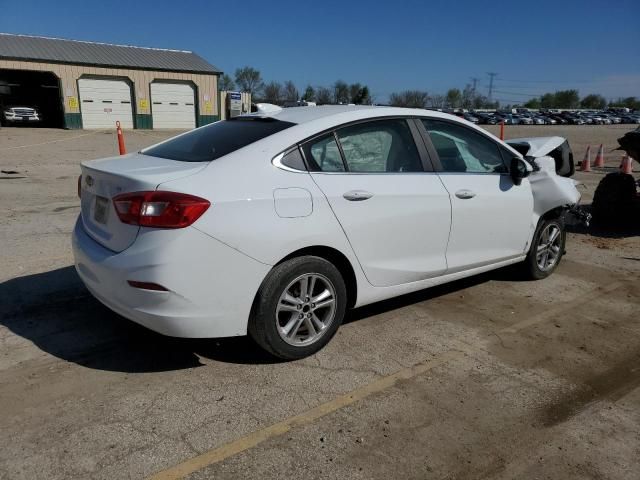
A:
(275, 223)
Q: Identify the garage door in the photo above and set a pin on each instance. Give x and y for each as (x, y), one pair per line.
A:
(173, 105)
(103, 102)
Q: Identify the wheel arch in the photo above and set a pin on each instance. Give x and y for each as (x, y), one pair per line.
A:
(557, 212)
(338, 259)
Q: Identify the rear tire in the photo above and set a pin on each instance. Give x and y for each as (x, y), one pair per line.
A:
(298, 308)
(614, 200)
(547, 249)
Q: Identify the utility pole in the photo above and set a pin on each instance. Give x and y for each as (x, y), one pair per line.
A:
(475, 82)
(491, 75)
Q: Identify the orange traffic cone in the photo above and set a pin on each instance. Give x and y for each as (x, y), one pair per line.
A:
(586, 163)
(599, 158)
(627, 164)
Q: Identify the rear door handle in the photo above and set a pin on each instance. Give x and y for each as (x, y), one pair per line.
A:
(357, 195)
(465, 194)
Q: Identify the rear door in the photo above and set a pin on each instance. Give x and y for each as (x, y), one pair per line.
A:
(395, 212)
(491, 216)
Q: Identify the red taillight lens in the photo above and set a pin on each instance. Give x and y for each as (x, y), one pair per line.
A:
(159, 209)
(80, 186)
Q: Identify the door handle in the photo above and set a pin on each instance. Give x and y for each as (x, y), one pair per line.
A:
(357, 195)
(465, 194)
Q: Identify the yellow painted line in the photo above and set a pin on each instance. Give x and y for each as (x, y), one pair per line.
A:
(563, 308)
(51, 141)
(251, 440)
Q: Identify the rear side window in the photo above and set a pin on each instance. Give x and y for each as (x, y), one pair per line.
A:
(323, 154)
(380, 146)
(218, 139)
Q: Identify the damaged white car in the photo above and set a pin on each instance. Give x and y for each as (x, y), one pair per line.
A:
(274, 223)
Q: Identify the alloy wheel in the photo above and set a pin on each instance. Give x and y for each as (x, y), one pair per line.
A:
(305, 309)
(549, 247)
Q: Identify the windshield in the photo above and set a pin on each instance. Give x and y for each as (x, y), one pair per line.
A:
(216, 140)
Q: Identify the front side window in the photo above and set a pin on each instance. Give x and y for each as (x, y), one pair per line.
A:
(379, 146)
(462, 150)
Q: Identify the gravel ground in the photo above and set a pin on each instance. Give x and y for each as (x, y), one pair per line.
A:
(494, 377)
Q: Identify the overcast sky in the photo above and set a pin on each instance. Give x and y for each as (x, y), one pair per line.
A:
(534, 46)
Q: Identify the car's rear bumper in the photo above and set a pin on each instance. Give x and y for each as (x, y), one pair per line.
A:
(210, 285)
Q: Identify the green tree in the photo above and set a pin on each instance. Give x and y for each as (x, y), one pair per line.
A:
(548, 100)
(290, 92)
(362, 97)
(468, 95)
(454, 98)
(354, 90)
(409, 99)
(340, 92)
(324, 96)
(480, 101)
(226, 84)
(629, 102)
(249, 80)
(309, 94)
(533, 103)
(567, 99)
(272, 93)
(593, 101)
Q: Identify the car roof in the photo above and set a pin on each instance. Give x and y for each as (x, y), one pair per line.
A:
(301, 115)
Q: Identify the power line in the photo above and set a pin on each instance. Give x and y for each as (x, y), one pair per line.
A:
(491, 76)
(475, 81)
(519, 94)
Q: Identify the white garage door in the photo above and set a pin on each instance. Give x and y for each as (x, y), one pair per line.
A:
(173, 105)
(103, 102)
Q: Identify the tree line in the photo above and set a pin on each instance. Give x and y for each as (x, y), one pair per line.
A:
(571, 99)
(467, 98)
(248, 79)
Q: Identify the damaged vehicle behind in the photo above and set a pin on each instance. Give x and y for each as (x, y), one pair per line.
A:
(274, 224)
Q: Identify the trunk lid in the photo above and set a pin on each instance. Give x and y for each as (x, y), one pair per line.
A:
(105, 178)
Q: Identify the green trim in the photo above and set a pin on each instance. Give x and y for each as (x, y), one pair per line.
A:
(144, 121)
(73, 121)
(207, 119)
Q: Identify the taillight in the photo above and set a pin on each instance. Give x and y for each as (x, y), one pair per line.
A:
(159, 209)
(80, 186)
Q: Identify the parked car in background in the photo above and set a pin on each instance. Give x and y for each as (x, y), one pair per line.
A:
(13, 115)
(508, 118)
(255, 225)
(470, 118)
(486, 118)
(630, 118)
(524, 119)
(548, 120)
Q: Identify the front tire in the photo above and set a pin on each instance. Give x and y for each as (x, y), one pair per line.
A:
(298, 308)
(547, 249)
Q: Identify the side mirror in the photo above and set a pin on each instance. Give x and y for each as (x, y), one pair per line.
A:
(518, 170)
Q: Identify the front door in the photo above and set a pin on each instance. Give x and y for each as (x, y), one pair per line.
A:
(395, 214)
(491, 216)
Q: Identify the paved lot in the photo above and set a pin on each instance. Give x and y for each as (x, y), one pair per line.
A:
(484, 378)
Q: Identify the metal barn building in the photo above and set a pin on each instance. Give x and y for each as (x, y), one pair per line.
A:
(76, 84)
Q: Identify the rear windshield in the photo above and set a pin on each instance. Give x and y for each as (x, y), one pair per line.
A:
(218, 139)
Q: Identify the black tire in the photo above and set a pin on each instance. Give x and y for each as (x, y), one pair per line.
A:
(264, 321)
(530, 267)
(613, 201)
